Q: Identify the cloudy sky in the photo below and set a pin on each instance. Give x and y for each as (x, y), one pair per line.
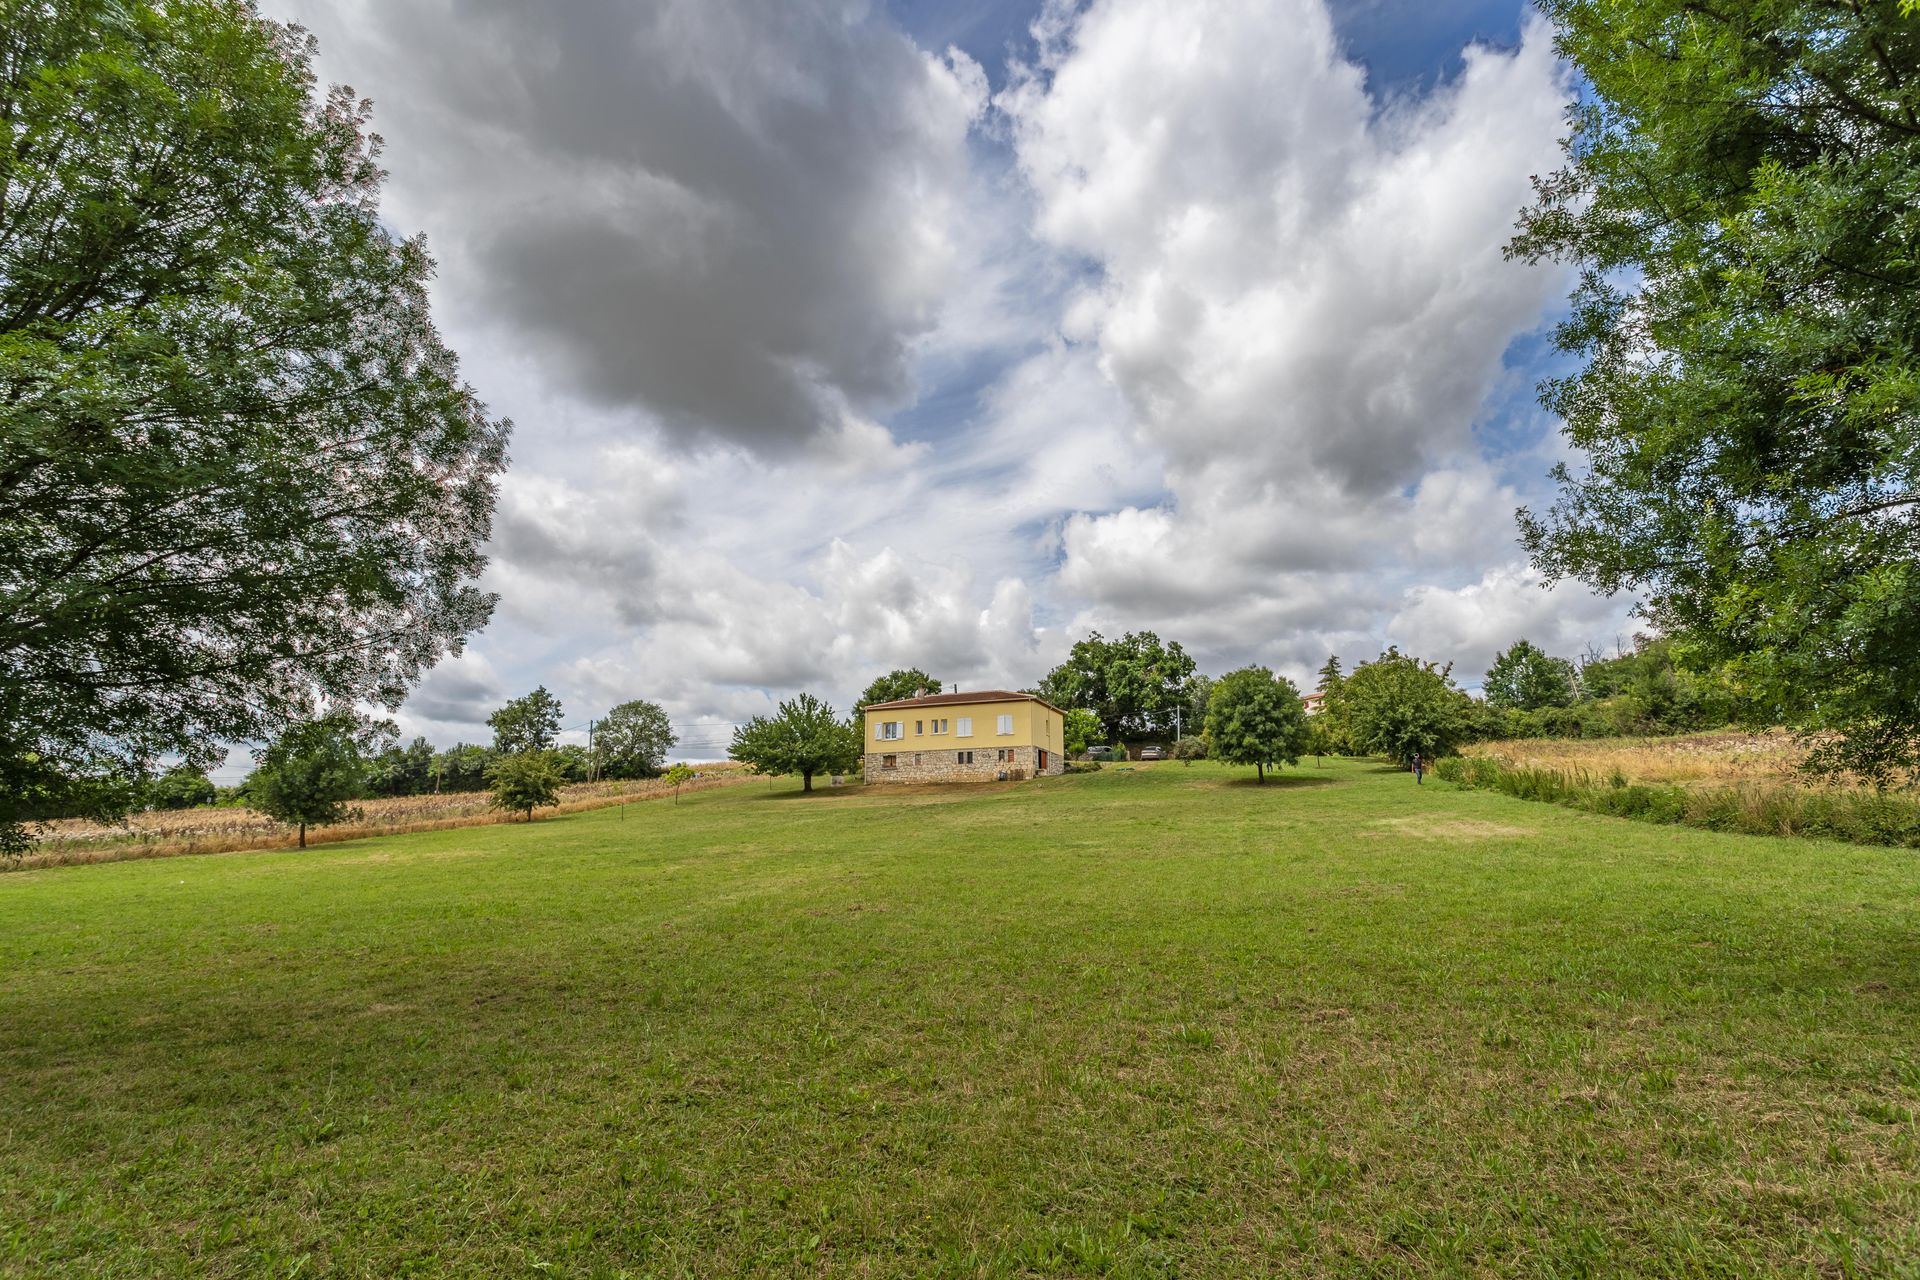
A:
(844, 335)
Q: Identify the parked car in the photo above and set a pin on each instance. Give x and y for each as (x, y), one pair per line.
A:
(1153, 751)
(1102, 753)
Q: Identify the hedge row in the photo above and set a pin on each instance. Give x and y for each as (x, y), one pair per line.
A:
(1857, 817)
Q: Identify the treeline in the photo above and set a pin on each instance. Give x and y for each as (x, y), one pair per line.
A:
(632, 741)
(1530, 694)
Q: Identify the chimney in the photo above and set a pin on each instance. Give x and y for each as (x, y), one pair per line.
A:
(920, 692)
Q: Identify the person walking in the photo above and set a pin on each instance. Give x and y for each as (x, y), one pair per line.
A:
(1419, 770)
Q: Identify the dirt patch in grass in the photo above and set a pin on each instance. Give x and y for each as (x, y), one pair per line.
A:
(1452, 828)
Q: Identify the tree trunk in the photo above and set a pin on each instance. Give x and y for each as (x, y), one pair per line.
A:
(303, 835)
(806, 781)
(1260, 774)
(529, 813)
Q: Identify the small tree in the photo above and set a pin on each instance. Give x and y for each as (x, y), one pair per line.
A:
(1079, 731)
(1398, 706)
(804, 738)
(1189, 749)
(1255, 717)
(895, 685)
(633, 741)
(1527, 678)
(678, 775)
(524, 782)
(526, 724)
(307, 775)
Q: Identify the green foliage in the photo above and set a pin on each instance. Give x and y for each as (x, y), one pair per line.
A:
(182, 787)
(1330, 675)
(461, 767)
(402, 771)
(1131, 684)
(238, 468)
(678, 776)
(574, 762)
(1080, 729)
(526, 781)
(528, 723)
(1526, 678)
(306, 776)
(1192, 747)
(1397, 706)
(633, 741)
(1742, 196)
(805, 737)
(1857, 817)
(1255, 717)
(896, 685)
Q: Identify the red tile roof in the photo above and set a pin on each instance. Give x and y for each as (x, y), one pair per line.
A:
(960, 699)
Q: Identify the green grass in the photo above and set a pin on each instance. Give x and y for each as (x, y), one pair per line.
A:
(1134, 1024)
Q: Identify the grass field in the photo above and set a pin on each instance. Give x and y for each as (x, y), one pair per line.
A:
(1147, 1023)
(1721, 758)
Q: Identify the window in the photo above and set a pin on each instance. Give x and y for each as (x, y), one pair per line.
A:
(939, 726)
(1005, 755)
(963, 727)
(890, 729)
(1006, 726)
(919, 727)
(963, 757)
(889, 762)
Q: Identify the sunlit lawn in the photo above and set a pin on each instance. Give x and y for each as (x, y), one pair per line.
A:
(1151, 1023)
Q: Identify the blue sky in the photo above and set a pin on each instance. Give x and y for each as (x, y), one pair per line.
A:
(840, 338)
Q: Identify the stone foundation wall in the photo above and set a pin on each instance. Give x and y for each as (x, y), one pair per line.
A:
(946, 766)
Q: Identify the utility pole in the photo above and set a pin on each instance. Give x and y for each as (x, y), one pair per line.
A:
(593, 759)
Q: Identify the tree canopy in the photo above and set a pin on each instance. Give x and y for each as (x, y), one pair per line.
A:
(1398, 705)
(633, 741)
(1255, 717)
(525, 781)
(896, 685)
(1526, 678)
(528, 723)
(239, 471)
(306, 776)
(1132, 684)
(805, 737)
(1741, 194)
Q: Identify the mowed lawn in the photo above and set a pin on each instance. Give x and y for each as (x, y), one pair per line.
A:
(1149, 1023)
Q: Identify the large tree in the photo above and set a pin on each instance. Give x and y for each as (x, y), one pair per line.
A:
(310, 771)
(901, 683)
(1742, 196)
(239, 471)
(633, 741)
(1133, 684)
(805, 737)
(1399, 706)
(527, 723)
(1255, 717)
(1526, 678)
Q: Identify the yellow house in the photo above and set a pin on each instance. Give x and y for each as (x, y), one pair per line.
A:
(964, 737)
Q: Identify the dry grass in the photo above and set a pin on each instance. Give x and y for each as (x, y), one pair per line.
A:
(1724, 757)
(171, 833)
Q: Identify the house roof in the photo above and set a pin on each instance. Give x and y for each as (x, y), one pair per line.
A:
(960, 699)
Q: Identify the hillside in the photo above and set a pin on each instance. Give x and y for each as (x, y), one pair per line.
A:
(1132, 1023)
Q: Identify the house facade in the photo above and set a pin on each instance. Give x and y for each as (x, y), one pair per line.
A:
(964, 737)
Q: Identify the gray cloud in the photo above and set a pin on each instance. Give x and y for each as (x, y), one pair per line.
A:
(732, 216)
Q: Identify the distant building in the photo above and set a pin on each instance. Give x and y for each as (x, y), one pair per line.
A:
(964, 737)
(1313, 702)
